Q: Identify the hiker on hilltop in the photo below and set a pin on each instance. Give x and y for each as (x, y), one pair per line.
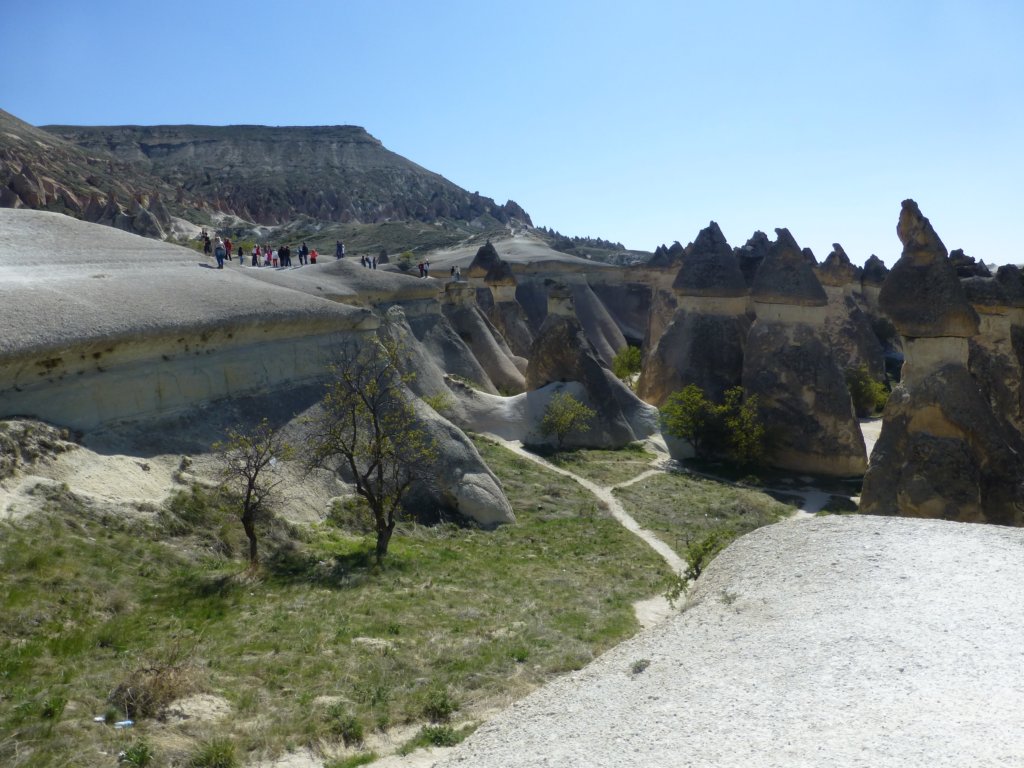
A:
(304, 254)
(312, 256)
(228, 248)
(218, 253)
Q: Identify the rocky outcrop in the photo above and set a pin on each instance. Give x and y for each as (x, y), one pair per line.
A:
(943, 451)
(789, 365)
(562, 353)
(751, 254)
(460, 480)
(838, 270)
(967, 266)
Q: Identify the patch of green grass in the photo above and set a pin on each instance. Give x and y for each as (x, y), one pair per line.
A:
(436, 736)
(604, 467)
(698, 517)
(92, 604)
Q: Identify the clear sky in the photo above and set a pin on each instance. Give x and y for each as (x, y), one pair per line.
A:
(634, 121)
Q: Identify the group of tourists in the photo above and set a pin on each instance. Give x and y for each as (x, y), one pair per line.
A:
(370, 262)
(263, 255)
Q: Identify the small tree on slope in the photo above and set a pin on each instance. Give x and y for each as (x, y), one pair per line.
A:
(248, 458)
(370, 428)
(565, 414)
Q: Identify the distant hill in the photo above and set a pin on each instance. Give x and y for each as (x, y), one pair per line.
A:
(272, 175)
(322, 183)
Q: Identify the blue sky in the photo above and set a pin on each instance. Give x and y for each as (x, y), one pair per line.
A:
(637, 122)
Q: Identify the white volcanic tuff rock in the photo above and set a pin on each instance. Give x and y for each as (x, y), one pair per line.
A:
(519, 417)
(102, 325)
(838, 641)
(600, 327)
(503, 367)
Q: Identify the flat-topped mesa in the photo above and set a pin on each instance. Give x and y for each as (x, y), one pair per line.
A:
(922, 294)
(837, 270)
(709, 268)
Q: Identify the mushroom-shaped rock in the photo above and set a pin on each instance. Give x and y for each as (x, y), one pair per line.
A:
(787, 277)
(922, 294)
(875, 272)
(709, 267)
(837, 270)
(486, 259)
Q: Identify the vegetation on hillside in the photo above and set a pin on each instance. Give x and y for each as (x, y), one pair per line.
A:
(99, 611)
(868, 394)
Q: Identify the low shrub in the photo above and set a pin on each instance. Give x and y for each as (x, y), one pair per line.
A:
(215, 753)
(439, 705)
(147, 691)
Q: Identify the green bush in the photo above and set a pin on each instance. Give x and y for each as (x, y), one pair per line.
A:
(138, 754)
(565, 414)
(732, 429)
(436, 736)
(346, 726)
(626, 362)
(216, 753)
(439, 705)
(868, 394)
(406, 261)
(701, 551)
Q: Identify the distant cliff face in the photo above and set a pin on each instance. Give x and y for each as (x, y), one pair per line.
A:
(273, 175)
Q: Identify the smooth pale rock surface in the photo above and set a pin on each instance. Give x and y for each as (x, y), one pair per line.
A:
(836, 641)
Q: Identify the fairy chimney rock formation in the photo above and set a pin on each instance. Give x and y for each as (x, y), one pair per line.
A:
(785, 286)
(560, 301)
(790, 365)
(944, 450)
(837, 270)
(925, 300)
(486, 259)
(709, 268)
(703, 341)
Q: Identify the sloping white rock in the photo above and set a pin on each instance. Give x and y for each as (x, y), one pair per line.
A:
(838, 641)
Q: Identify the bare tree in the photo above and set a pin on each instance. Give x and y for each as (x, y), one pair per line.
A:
(369, 428)
(248, 458)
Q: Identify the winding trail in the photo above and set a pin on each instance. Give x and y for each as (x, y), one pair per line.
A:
(604, 493)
